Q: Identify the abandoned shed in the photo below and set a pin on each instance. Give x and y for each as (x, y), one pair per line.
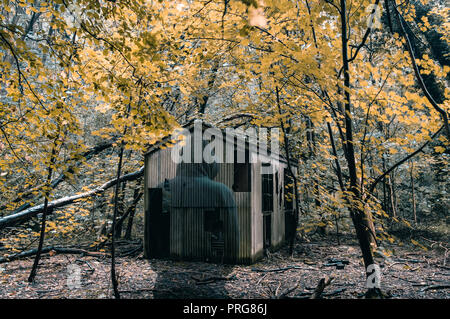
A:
(215, 210)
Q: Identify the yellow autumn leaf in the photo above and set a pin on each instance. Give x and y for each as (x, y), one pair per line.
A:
(439, 149)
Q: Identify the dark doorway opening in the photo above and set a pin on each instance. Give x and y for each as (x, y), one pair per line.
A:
(214, 225)
(267, 234)
(158, 225)
(242, 173)
(267, 193)
(267, 207)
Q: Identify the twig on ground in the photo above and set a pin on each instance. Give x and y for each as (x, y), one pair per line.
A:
(286, 292)
(324, 282)
(435, 287)
(59, 250)
(203, 281)
(279, 269)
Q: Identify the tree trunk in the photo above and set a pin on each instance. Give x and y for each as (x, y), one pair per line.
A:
(113, 242)
(293, 176)
(413, 194)
(392, 196)
(132, 212)
(120, 210)
(339, 175)
(385, 205)
(44, 216)
(359, 217)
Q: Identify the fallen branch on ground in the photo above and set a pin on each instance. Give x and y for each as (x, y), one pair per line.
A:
(435, 287)
(33, 211)
(286, 292)
(203, 281)
(407, 280)
(335, 292)
(324, 282)
(398, 263)
(59, 250)
(277, 269)
(132, 251)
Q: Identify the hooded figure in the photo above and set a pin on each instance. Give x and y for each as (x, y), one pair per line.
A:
(194, 187)
(193, 197)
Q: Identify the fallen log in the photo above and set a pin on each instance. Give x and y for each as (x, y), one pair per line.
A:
(35, 210)
(59, 250)
(27, 195)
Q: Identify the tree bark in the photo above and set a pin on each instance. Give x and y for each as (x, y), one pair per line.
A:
(392, 196)
(44, 214)
(132, 210)
(120, 210)
(291, 172)
(359, 217)
(115, 284)
(413, 193)
(338, 173)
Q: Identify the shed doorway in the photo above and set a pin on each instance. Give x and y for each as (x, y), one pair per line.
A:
(267, 233)
(159, 224)
(213, 225)
(267, 207)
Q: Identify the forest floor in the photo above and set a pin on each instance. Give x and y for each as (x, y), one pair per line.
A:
(408, 273)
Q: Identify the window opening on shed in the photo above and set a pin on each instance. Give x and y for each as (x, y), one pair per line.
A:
(212, 221)
(242, 173)
(267, 192)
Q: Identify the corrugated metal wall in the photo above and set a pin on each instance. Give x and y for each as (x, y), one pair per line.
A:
(245, 225)
(256, 210)
(188, 238)
(159, 166)
(278, 218)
